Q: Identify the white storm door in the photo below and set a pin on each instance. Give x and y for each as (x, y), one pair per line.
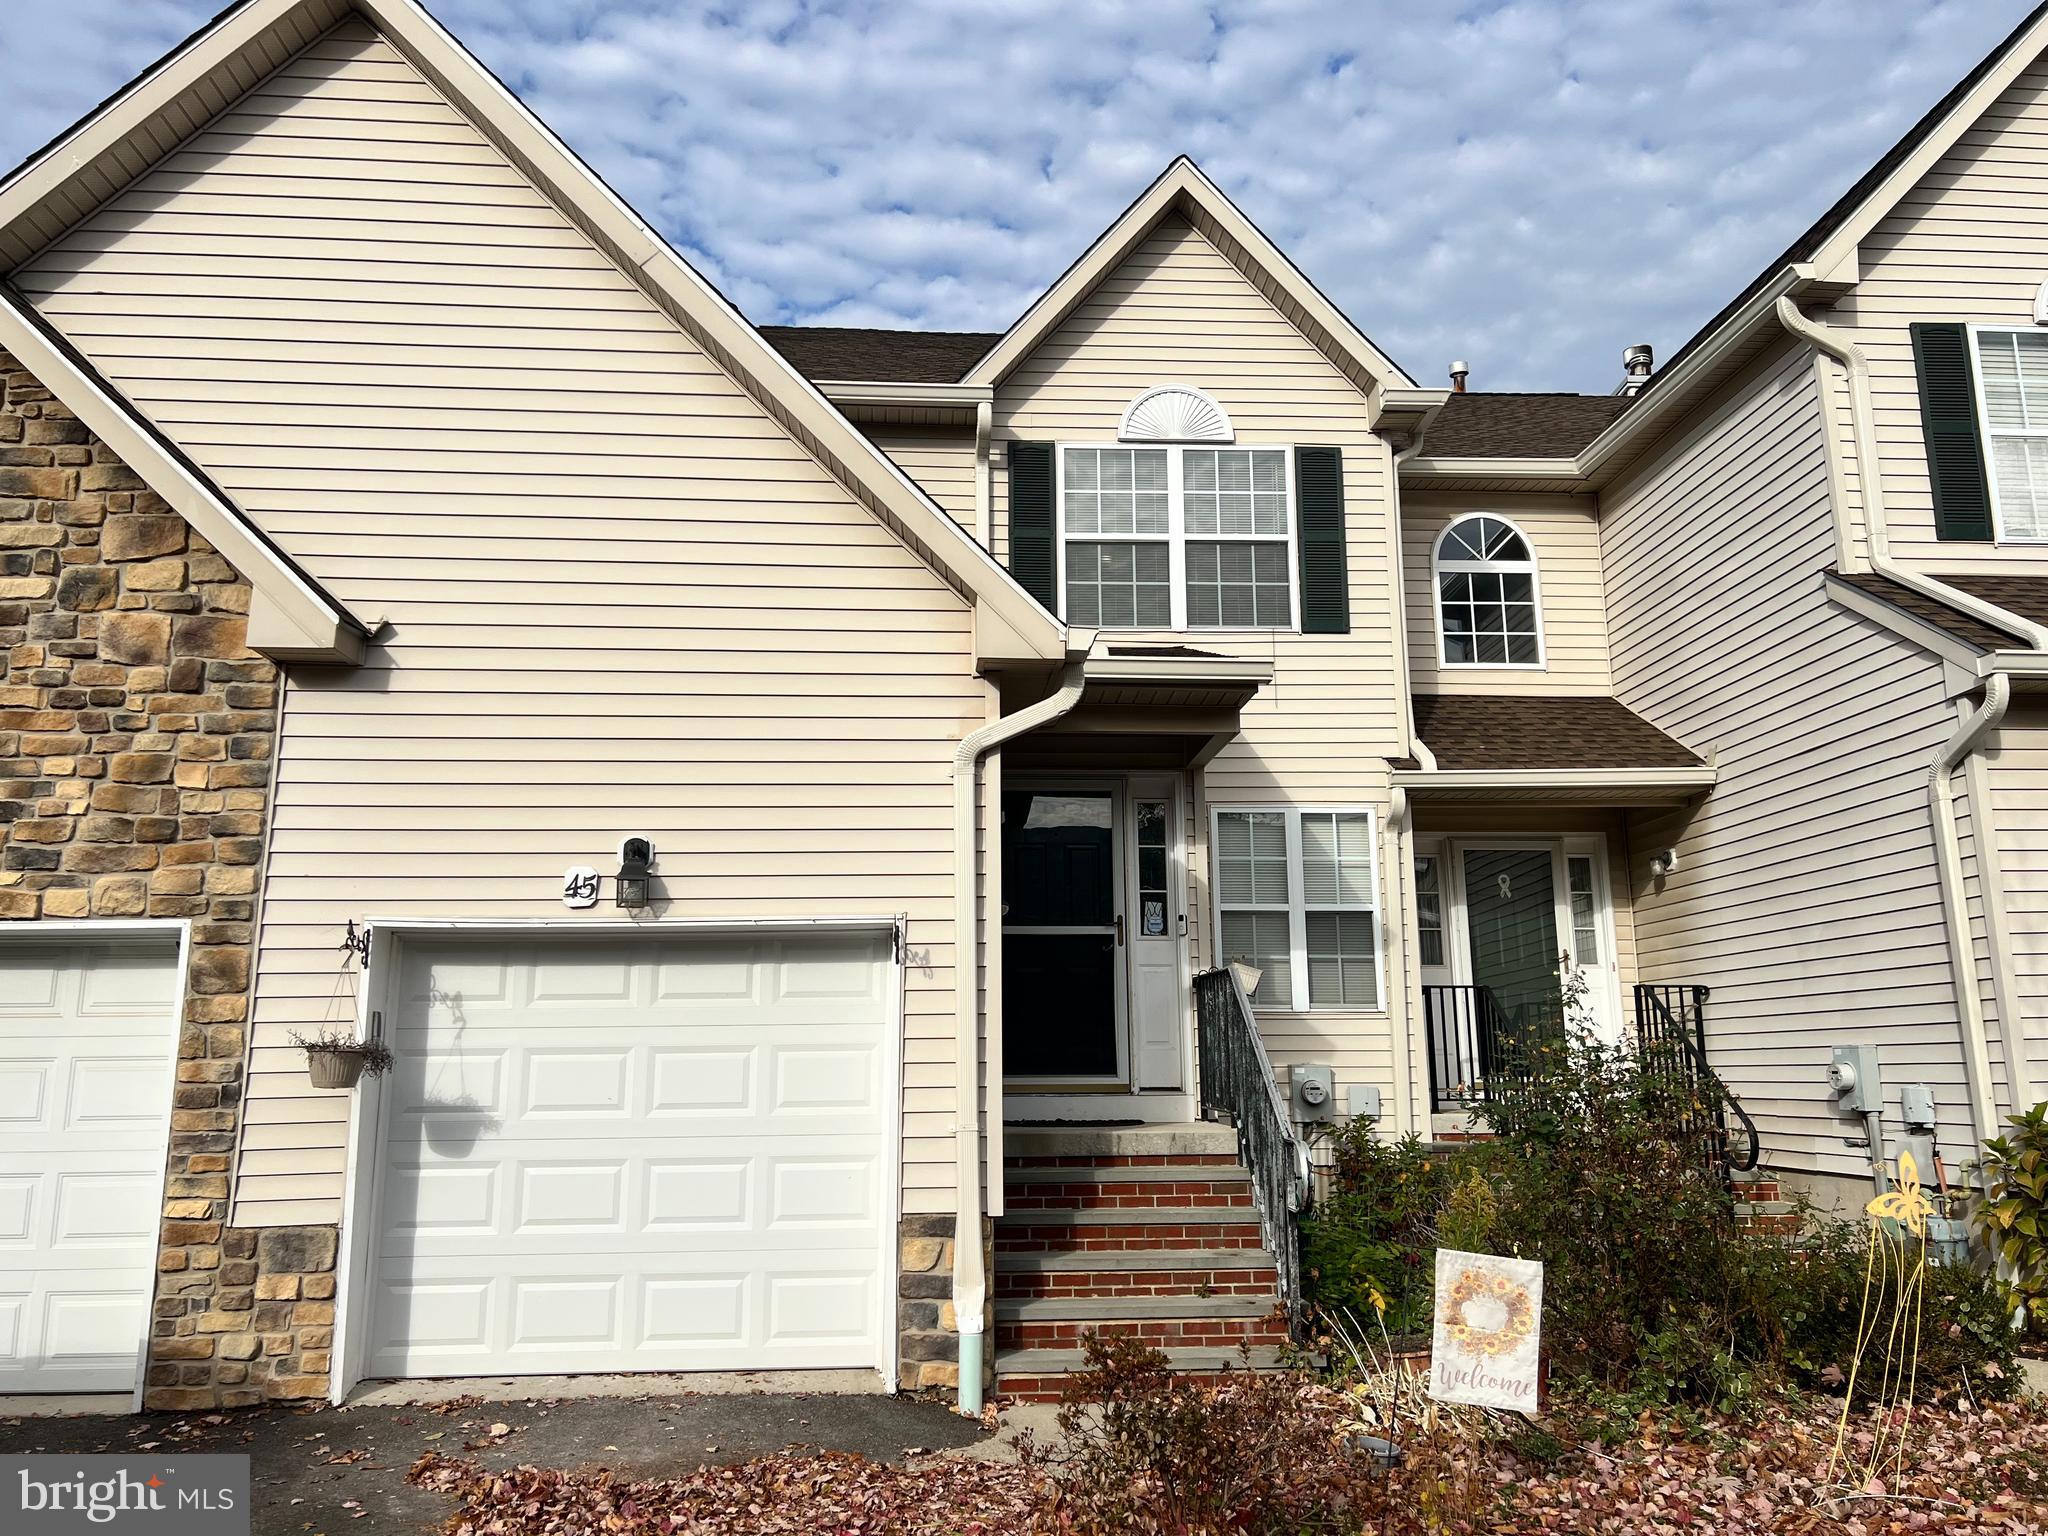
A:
(87, 1034)
(1157, 928)
(652, 1154)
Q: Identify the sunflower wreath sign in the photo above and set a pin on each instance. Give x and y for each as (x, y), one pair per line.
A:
(1489, 1330)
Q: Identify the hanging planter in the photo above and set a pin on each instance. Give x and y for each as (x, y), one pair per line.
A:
(340, 1060)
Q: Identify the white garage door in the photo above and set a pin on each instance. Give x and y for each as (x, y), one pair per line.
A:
(642, 1154)
(87, 1032)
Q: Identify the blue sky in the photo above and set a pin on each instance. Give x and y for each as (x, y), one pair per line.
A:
(1528, 185)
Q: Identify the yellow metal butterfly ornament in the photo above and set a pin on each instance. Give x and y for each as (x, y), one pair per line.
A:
(1894, 1288)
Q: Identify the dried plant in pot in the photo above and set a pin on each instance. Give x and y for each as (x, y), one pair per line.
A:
(337, 1059)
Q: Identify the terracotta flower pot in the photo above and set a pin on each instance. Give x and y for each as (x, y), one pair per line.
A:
(334, 1067)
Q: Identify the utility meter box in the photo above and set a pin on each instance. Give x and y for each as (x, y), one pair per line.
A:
(1916, 1107)
(1314, 1092)
(1853, 1076)
(1364, 1099)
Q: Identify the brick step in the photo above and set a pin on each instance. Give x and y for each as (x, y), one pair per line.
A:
(1126, 1197)
(1160, 1333)
(1039, 1375)
(1124, 1161)
(1071, 1230)
(1138, 1272)
(1088, 1310)
(1161, 1321)
(1092, 1171)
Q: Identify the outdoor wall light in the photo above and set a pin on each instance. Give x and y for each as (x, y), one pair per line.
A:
(636, 857)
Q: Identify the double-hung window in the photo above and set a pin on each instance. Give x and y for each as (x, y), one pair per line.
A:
(1297, 898)
(2012, 384)
(1177, 537)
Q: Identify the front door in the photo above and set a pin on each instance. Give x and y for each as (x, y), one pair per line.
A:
(1511, 914)
(1063, 936)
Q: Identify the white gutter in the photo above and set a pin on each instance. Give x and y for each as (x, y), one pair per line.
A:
(970, 1280)
(1969, 733)
(984, 490)
(1870, 479)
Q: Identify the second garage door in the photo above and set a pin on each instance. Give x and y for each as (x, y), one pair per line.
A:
(641, 1154)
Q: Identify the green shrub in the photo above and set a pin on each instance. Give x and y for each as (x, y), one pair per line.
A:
(2012, 1215)
(1814, 1295)
(1369, 1246)
(1142, 1450)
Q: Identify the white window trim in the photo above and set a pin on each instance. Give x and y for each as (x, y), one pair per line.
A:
(1436, 595)
(1297, 903)
(1998, 533)
(1176, 537)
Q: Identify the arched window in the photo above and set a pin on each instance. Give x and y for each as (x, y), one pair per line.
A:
(1486, 607)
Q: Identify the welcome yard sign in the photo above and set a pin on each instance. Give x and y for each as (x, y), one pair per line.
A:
(1489, 1330)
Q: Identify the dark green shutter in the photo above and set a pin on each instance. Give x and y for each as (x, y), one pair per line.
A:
(1031, 520)
(1319, 527)
(1948, 419)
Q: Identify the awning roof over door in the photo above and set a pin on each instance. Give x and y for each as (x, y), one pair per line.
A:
(1152, 706)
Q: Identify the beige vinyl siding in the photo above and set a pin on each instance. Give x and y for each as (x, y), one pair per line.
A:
(1968, 243)
(1806, 895)
(619, 598)
(939, 459)
(1176, 310)
(1564, 535)
(2017, 774)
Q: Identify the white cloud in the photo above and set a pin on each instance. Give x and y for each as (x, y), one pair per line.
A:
(1529, 184)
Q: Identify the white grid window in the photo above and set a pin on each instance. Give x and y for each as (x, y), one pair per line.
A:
(1487, 612)
(1429, 910)
(1204, 537)
(1296, 896)
(1585, 910)
(2012, 379)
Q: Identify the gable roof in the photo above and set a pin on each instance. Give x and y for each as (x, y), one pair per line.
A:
(841, 353)
(292, 616)
(1519, 426)
(1831, 239)
(136, 127)
(1182, 188)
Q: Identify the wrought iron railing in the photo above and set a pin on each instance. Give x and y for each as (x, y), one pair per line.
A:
(1671, 1042)
(1237, 1085)
(1478, 1045)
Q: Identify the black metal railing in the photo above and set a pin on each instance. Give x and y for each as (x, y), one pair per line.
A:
(1477, 1044)
(1671, 1042)
(1237, 1085)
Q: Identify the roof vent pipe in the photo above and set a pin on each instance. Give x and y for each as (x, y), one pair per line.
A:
(1459, 369)
(1637, 363)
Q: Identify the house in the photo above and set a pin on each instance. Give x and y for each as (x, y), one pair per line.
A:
(783, 795)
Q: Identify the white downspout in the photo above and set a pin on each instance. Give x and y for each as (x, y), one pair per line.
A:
(1400, 817)
(1969, 733)
(984, 489)
(1870, 478)
(970, 1281)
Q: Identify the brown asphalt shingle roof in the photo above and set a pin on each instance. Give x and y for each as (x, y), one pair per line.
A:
(877, 356)
(1537, 732)
(1502, 426)
(1967, 628)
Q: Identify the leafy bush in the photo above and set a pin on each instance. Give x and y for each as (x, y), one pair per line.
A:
(1145, 1451)
(2012, 1215)
(1651, 1293)
(1369, 1247)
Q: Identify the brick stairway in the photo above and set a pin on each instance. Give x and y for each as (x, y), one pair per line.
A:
(1147, 1231)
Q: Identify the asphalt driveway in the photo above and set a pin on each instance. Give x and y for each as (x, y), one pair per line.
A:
(324, 1471)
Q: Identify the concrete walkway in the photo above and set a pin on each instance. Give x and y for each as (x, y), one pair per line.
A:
(313, 1469)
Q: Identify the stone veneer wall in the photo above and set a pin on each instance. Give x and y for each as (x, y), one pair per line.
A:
(927, 1340)
(135, 744)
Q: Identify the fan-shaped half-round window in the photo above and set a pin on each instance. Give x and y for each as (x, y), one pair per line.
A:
(1487, 613)
(1175, 413)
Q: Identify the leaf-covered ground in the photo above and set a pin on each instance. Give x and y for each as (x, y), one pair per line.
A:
(1963, 1471)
